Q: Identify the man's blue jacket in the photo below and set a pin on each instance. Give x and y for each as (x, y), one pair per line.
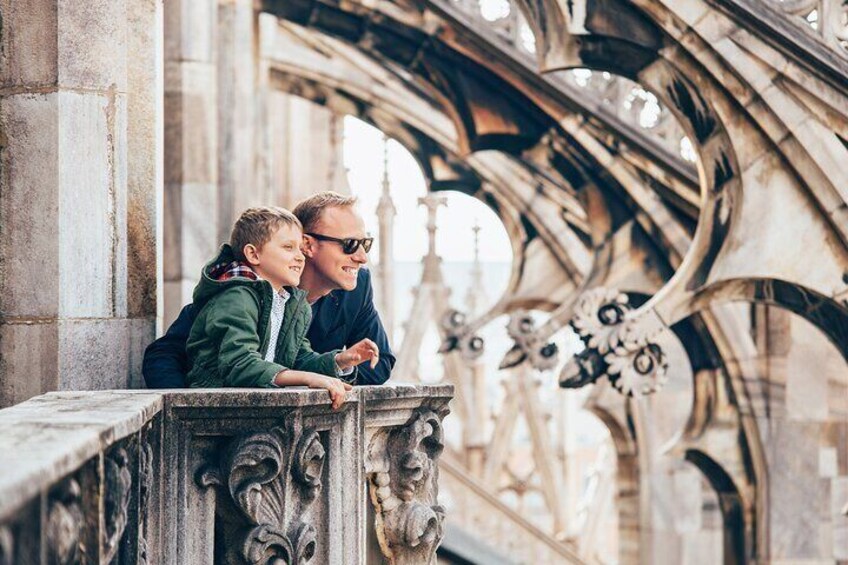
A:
(339, 319)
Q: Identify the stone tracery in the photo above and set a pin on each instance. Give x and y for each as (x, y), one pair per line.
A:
(591, 201)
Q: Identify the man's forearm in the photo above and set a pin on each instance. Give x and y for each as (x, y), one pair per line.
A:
(365, 375)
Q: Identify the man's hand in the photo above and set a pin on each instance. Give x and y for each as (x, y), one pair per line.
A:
(358, 353)
(337, 389)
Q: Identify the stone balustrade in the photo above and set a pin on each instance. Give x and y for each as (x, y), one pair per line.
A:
(222, 476)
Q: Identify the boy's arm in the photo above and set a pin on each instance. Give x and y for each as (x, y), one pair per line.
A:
(165, 362)
(337, 389)
(232, 321)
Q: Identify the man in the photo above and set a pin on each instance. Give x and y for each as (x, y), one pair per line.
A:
(338, 288)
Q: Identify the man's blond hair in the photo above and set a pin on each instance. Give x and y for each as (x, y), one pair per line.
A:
(309, 211)
(256, 226)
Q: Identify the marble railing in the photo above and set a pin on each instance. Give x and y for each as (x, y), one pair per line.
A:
(222, 476)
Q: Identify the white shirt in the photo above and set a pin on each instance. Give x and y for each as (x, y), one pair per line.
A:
(278, 310)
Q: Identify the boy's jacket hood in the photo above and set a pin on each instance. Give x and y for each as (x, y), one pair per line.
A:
(217, 275)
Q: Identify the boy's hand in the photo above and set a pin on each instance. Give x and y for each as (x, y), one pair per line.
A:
(337, 389)
(361, 351)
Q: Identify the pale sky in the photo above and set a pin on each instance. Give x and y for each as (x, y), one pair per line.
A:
(363, 157)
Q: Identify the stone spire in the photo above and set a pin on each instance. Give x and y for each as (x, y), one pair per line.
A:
(432, 262)
(431, 298)
(475, 289)
(386, 213)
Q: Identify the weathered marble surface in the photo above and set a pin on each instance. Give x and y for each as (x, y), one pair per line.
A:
(50, 436)
(146, 474)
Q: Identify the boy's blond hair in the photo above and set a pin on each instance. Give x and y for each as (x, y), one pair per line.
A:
(309, 211)
(256, 226)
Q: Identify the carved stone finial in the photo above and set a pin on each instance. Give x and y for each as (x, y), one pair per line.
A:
(458, 337)
(404, 487)
(617, 345)
(259, 477)
(541, 355)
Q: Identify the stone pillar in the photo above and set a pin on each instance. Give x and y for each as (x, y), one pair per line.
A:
(237, 60)
(191, 145)
(144, 175)
(70, 317)
(303, 155)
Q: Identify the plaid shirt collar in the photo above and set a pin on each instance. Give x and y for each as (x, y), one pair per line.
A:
(226, 271)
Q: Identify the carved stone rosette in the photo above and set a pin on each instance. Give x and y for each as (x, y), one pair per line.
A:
(458, 336)
(403, 483)
(618, 345)
(529, 346)
(266, 481)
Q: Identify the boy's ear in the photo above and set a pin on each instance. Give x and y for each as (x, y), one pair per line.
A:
(251, 254)
(307, 246)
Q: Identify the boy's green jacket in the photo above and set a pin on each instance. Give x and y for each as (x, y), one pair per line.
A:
(229, 338)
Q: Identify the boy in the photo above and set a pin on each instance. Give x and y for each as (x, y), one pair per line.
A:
(252, 320)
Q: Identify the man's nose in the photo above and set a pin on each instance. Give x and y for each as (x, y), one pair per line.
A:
(360, 256)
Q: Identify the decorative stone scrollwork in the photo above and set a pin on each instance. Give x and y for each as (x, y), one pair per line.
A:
(264, 478)
(117, 490)
(64, 523)
(403, 488)
(459, 337)
(541, 354)
(146, 484)
(617, 345)
(7, 546)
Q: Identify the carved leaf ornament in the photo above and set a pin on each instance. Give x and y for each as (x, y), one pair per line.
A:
(118, 487)
(64, 523)
(270, 477)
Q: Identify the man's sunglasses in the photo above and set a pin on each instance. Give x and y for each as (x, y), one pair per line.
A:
(349, 244)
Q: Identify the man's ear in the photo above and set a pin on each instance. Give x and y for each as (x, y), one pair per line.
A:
(307, 247)
(251, 254)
